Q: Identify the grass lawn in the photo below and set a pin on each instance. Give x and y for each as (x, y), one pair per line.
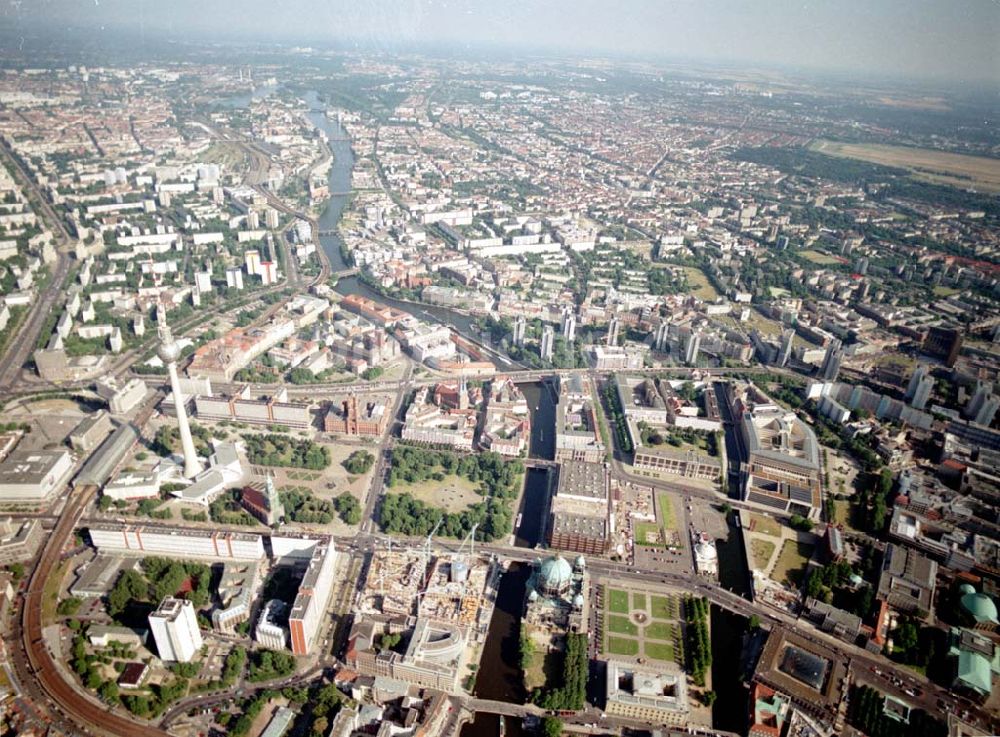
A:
(792, 561)
(819, 258)
(648, 533)
(659, 651)
(659, 631)
(940, 291)
(765, 525)
(623, 646)
(621, 626)
(50, 599)
(663, 607)
(762, 551)
(453, 494)
(668, 518)
(638, 601)
(700, 286)
(617, 600)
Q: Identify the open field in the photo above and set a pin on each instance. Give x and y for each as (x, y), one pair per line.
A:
(765, 525)
(762, 551)
(940, 291)
(648, 533)
(958, 170)
(454, 493)
(792, 561)
(822, 259)
(700, 286)
(667, 516)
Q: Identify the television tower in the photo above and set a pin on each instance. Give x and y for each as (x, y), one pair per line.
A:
(169, 352)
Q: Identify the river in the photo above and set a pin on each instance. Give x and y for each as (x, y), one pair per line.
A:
(499, 667)
(499, 671)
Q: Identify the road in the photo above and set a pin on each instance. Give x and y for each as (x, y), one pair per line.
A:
(23, 343)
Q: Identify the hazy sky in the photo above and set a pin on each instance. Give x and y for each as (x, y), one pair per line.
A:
(921, 38)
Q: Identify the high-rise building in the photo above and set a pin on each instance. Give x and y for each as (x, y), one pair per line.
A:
(175, 630)
(203, 281)
(548, 340)
(922, 393)
(662, 335)
(613, 331)
(169, 351)
(271, 218)
(234, 277)
(785, 352)
(920, 387)
(308, 610)
(987, 411)
(568, 325)
(252, 259)
(979, 396)
(268, 273)
(943, 343)
(691, 348)
(831, 361)
(520, 324)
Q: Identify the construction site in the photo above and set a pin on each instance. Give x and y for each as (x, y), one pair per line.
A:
(422, 617)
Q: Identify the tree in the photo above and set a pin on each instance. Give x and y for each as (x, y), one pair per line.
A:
(552, 727)
(709, 697)
(109, 692)
(754, 622)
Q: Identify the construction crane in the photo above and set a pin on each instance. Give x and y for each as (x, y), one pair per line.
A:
(427, 545)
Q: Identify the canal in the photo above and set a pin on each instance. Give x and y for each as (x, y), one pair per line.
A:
(533, 510)
(499, 671)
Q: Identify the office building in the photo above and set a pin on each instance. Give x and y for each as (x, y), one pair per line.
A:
(944, 343)
(272, 625)
(908, 580)
(34, 476)
(175, 629)
(657, 695)
(307, 615)
(783, 464)
(176, 542)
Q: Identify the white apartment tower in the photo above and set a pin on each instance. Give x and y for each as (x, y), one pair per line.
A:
(175, 629)
(548, 339)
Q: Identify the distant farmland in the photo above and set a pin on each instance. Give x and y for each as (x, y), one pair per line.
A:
(940, 167)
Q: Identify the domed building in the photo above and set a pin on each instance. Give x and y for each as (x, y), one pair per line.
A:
(554, 578)
(556, 594)
(978, 608)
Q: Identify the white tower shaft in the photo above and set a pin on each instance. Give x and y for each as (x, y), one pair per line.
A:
(192, 466)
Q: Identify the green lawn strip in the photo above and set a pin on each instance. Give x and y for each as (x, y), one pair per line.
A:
(623, 646)
(658, 650)
(622, 626)
(617, 601)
